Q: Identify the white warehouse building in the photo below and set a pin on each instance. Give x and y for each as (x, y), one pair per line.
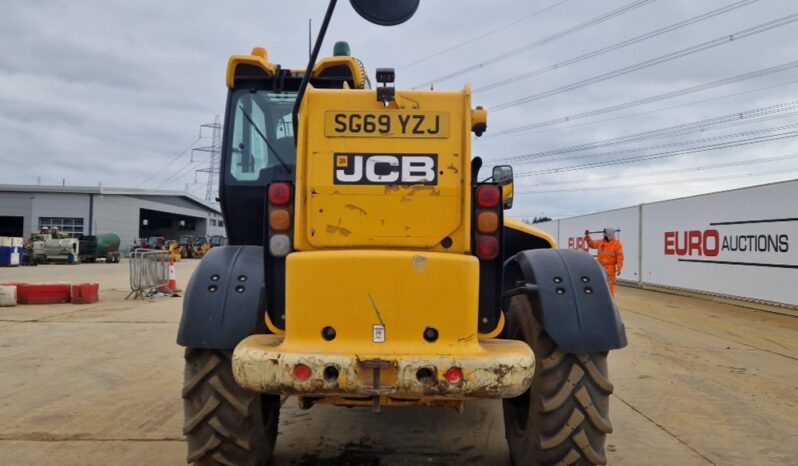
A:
(130, 213)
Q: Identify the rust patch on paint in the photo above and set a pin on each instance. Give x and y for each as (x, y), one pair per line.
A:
(356, 209)
(334, 229)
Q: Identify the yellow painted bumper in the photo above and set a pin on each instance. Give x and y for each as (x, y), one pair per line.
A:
(380, 303)
(498, 369)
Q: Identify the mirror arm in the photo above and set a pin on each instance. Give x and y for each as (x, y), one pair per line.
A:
(309, 70)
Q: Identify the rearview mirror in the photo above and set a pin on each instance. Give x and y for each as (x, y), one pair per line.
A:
(503, 176)
(385, 12)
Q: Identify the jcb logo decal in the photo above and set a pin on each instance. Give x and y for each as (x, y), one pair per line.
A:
(386, 169)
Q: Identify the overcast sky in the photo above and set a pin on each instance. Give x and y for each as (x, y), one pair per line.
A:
(111, 91)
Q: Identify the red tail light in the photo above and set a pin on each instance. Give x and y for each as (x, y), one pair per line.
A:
(302, 372)
(280, 193)
(454, 375)
(488, 196)
(487, 247)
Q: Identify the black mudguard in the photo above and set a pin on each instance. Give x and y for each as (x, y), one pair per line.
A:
(569, 290)
(225, 299)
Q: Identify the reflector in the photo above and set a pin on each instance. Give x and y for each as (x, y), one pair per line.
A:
(487, 247)
(302, 372)
(454, 375)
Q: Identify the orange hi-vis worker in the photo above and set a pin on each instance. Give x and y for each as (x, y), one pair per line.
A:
(610, 254)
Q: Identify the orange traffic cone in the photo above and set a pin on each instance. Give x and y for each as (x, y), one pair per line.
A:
(172, 283)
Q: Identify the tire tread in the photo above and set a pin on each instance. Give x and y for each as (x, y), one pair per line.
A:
(568, 404)
(225, 424)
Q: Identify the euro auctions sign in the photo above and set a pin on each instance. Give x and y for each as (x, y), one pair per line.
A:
(741, 243)
(737, 243)
(711, 243)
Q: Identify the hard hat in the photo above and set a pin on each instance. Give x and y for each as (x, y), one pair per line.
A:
(609, 233)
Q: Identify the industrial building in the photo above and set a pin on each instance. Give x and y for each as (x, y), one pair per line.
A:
(130, 213)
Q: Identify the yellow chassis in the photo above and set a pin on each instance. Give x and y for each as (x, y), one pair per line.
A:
(404, 293)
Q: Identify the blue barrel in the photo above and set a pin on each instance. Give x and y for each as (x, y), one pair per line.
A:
(9, 256)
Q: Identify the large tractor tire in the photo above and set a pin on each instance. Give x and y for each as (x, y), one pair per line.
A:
(225, 424)
(563, 418)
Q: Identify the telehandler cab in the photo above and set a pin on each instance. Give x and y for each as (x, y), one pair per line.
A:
(368, 265)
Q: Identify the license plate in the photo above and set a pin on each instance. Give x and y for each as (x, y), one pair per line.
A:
(394, 124)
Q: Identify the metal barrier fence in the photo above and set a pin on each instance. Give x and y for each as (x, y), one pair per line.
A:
(149, 273)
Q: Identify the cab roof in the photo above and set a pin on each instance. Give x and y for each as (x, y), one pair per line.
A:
(332, 70)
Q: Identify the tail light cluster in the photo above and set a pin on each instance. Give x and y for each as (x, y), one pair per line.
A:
(487, 228)
(281, 216)
(487, 221)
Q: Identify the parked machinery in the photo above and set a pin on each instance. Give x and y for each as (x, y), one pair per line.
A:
(200, 247)
(174, 248)
(152, 242)
(50, 245)
(217, 240)
(104, 247)
(186, 245)
(155, 242)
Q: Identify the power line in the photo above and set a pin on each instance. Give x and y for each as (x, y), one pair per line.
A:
(650, 99)
(169, 162)
(671, 144)
(481, 36)
(681, 130)
(670, 172)
(687, 104)
(725, 125)
(723, 40)
(667, 154)
(178, 173)
(669, 131)
(617, 46)
(545, 40)
(657, 183)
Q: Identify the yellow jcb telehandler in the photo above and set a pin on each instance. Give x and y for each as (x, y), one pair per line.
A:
(368, 264)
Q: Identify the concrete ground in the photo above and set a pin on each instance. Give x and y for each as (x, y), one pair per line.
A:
(700, 383)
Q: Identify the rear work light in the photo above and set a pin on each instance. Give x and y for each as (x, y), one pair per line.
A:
(487, 247)
(488, 196)
(279, 245)
(280, 194)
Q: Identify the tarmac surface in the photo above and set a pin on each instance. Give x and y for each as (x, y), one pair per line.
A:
(701, 383)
